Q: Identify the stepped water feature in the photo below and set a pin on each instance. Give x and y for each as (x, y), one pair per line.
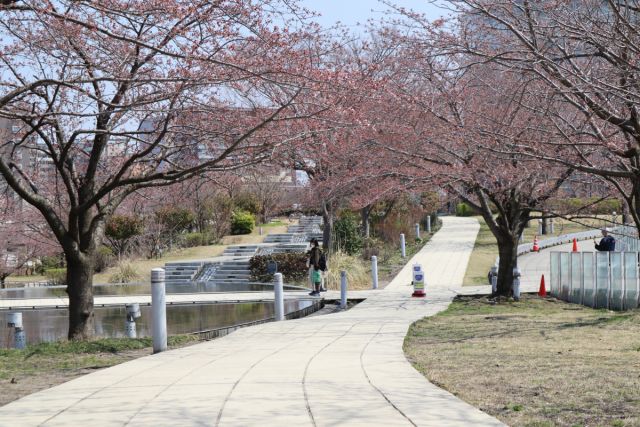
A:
(309, 226)
(182, 272)
(231, 270)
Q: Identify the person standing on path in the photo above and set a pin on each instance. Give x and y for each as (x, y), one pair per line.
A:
(313, 263)
(607, 243)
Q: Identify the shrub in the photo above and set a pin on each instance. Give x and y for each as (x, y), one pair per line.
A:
(293, 267)
(104, 259)
(49, 262)
(370, 247)
(198, 239)
(347, 234)
(125, 273)
(462, 209)
(247, 202)
(56, 276)
(242, 222)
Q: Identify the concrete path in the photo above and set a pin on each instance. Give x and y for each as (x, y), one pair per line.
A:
(56, 302)
(341, 369)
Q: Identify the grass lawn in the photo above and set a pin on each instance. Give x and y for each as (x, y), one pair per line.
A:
(537, 362)
(483, 256)
(45, 365)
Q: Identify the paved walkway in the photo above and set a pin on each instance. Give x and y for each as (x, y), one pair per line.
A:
(55, 302)
(340, 369)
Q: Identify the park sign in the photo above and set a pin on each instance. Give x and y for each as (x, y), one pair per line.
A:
(418, 281)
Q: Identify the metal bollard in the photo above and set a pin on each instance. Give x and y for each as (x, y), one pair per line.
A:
(343, 289)
(516, 283)
(417, 231)
(374, 271)
(133, 312)
(403, 248)
(260, 231)
(159, 310)
(429, 224)
(14, 320)
(494, 279)
(278, 297)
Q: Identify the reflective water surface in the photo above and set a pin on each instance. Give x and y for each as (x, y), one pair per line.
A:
(51, 324)
(139, 289)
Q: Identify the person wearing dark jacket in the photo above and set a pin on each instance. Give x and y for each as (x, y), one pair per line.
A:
(313, 262)
(607, 243)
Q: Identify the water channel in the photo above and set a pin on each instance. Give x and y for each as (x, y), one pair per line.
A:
(140, 289)
(51, 324)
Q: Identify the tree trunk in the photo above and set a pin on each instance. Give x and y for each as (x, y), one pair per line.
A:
(545, 226)
(625, 212)
(327, 217)
(365, 213)
(80, 291)
(2, 280)
(508, 250)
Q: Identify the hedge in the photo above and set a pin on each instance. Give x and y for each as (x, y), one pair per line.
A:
(293, 267)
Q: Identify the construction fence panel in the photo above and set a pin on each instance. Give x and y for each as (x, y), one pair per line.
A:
(588, 280)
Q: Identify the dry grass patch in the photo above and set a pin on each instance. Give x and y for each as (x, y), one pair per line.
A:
(534, 362)
(358, 272)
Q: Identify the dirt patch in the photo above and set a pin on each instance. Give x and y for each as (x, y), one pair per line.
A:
(534, 362)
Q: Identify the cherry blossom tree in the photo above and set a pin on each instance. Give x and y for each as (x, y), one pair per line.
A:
(584, 55)
(112, 97)
(452, 124)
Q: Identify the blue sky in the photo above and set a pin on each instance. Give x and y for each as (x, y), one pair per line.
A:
(350, 12)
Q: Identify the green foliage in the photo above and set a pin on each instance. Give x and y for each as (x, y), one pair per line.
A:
(247, 201)
(293, 267)
(104, 258)
(125, 273)
(175, 219)
(49, 262)
(56, 276)
(198, 239)
(123, 227)
(347, 234)
(462, 209)
(242, 222)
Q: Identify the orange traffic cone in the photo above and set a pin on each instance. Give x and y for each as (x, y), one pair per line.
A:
(536, 248)
(543, 290)
(575, 245)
